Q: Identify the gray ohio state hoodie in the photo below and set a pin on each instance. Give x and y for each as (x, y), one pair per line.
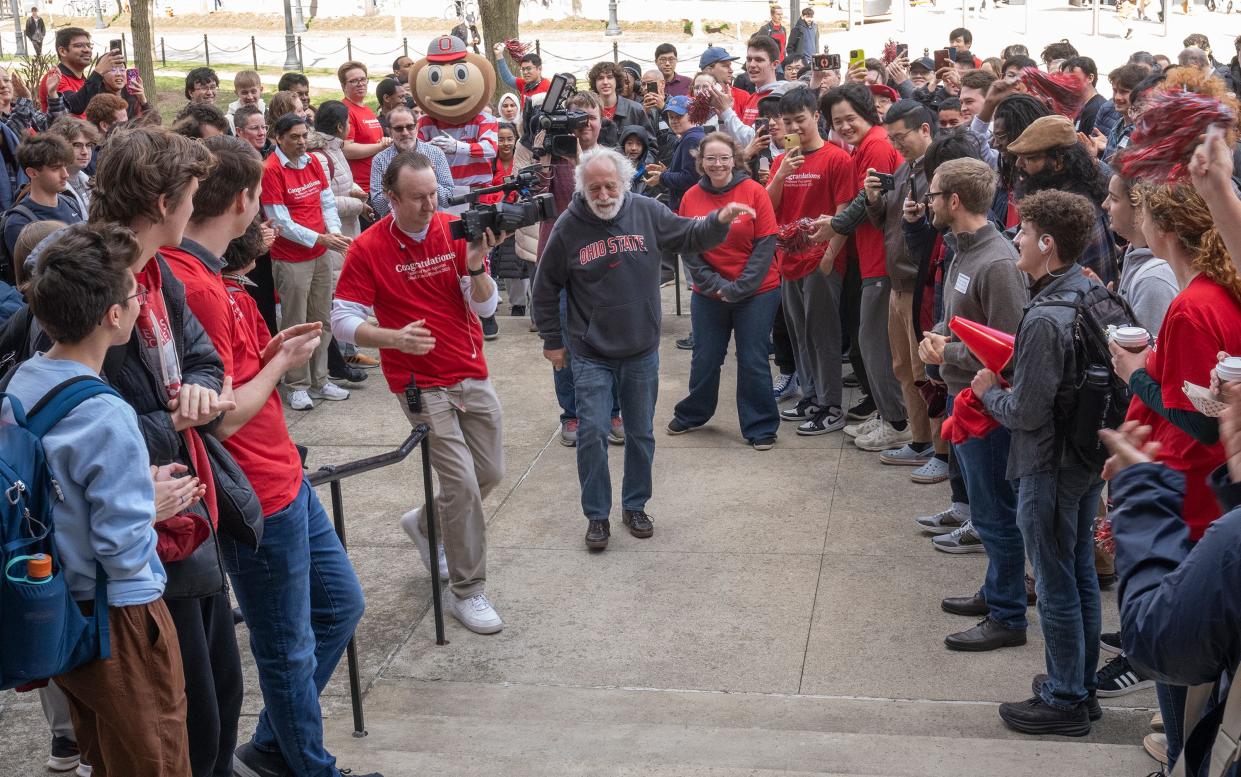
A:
(609, 271)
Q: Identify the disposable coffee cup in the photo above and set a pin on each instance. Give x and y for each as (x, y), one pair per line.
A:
(1133, 338)
(1229, 369)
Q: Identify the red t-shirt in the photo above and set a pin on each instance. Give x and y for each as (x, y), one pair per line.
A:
(729, 258)
(875, 151)
(364, 127)
(1202, 320)
(822, 184)
(297, 190)
(69, 83)
(404, 281)
(530, 90)
(262, 448)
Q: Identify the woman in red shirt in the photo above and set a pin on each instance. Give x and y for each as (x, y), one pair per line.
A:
(736, 293)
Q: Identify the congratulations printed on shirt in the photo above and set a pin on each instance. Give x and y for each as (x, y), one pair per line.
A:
(427, 267)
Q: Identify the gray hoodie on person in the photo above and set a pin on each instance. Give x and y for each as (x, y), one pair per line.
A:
(1148, 284)
(610, 272)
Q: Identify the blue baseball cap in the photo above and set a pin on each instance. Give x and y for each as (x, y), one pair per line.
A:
(678, 105)
(712, 55)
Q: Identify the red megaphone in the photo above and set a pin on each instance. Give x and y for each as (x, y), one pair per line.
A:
(992, 347)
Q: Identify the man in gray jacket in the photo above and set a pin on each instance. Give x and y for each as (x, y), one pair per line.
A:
(604, 253)
(982, 285)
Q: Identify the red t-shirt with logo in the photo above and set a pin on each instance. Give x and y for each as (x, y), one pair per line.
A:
(821, 185)
(262, 447)
(1202, 320)
(730, 257)
(404, 281)
(875, 151)
(69, 83)
(297, 190)
(364, 127)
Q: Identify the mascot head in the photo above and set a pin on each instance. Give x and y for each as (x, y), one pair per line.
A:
(451, 84)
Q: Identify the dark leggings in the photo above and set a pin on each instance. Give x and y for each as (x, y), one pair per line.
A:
(782, 343)
(264, 291)
(851, 310)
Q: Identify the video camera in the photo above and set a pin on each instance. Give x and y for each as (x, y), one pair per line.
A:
(557, 123)
(503, 216)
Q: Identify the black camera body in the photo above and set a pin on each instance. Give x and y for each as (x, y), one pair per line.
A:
(503, 216)
(557, 123)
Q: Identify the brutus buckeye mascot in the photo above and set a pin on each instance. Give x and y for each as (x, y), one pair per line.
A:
(454, 87)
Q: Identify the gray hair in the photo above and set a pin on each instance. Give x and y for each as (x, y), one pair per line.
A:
(624, 168)
(1193, 56)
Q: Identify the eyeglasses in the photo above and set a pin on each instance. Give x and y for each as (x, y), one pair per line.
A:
(899, 137)
(402, 127)
(930, 196)
(141, 296)
(356, 82)
(80, 146)
(717, 160)
(666, 59)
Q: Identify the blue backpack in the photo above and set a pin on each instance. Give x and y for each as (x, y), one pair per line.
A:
(43, 633)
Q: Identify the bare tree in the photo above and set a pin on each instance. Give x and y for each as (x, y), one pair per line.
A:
(499, 18)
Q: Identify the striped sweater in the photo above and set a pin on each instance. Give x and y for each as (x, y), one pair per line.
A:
(481, 132)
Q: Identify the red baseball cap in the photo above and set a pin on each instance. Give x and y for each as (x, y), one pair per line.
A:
(879, 90)
(446, 48)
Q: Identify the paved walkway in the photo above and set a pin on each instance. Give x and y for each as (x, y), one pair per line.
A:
(783, 620)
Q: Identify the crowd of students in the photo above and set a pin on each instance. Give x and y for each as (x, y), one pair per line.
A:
(211, 270)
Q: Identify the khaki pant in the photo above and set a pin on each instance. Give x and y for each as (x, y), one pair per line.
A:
(129, 709)
(903, 338)
(305, 290)
(467, 454)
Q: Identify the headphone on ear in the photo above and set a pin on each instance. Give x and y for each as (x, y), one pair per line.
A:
(1044, 244)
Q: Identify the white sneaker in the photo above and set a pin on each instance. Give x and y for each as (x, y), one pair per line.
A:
(858, 429)
(883, 437)
(300, 400)
(330, 391)
(474, 612)
(411, 522)
(83, 770)
(947, 521)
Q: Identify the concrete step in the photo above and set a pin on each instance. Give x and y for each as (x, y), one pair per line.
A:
(467, 729)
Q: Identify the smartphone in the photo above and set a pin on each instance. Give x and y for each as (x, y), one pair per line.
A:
(131, 77)
(943, 59)
(887, 182)
(819, 62)
(115, 45)
(761, 125)
(652, 87)
(792, 141)
(902, 51)
(833, 62)
(857, 58)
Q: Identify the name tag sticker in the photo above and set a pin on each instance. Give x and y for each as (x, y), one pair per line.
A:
(962, 284)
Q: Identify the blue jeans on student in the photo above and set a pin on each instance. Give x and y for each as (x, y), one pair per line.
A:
(1056, 511)
(563, 378)
(637, 381)
(715, 322)
(993, 510)
(301, 601)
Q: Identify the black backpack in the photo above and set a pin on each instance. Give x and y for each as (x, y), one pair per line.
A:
(1102, 397)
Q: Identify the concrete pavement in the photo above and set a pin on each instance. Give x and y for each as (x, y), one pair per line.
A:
(784, 619)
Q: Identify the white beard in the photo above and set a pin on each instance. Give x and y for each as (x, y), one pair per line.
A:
(608, 211)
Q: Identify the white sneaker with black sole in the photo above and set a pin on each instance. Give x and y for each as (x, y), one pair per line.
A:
(474, 612)
(830, 419)
(947, 521)
(411, 522)
(962, 540)
(1119, 678)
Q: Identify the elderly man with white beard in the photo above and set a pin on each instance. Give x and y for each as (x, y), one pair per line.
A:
(604, 252)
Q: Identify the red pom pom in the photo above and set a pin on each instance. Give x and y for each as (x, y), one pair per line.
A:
(516, 49)
(700, 105)
(794, 237)
(891, 52)
(1064, 93)
(1164, 138)
(1103, 538)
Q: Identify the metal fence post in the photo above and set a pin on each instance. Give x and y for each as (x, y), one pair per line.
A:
(538, 49)
(615, 51)
(349, 48)
(206, 50)
(254, 53)
(163, 55)
(301, 61)
(124, 46)
(405, 46)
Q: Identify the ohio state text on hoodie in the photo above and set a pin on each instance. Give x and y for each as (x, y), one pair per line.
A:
(609, 271)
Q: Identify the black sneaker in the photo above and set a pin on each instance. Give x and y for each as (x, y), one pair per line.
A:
(518, 310)
(1035, 716)
(829, 419)
(862, 410)
(804, 410)
(686, 343)
(349, 374)
(639, 523)
(1093, 710)
(850, 380)
(249, 761)
(491, 329)
(1110, 642)
(1119, 678)
(597, 534)
(675, 426)
(764, 444)
(64, 755)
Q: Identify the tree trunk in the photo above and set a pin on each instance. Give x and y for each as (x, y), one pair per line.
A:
(143, 47)
(119, 10)
(499, 20)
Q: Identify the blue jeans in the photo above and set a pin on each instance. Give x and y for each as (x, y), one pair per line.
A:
(993, 509)
(563, 378)
(1055, 511)
(637, 381)
(714, 323)
(302, 601)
